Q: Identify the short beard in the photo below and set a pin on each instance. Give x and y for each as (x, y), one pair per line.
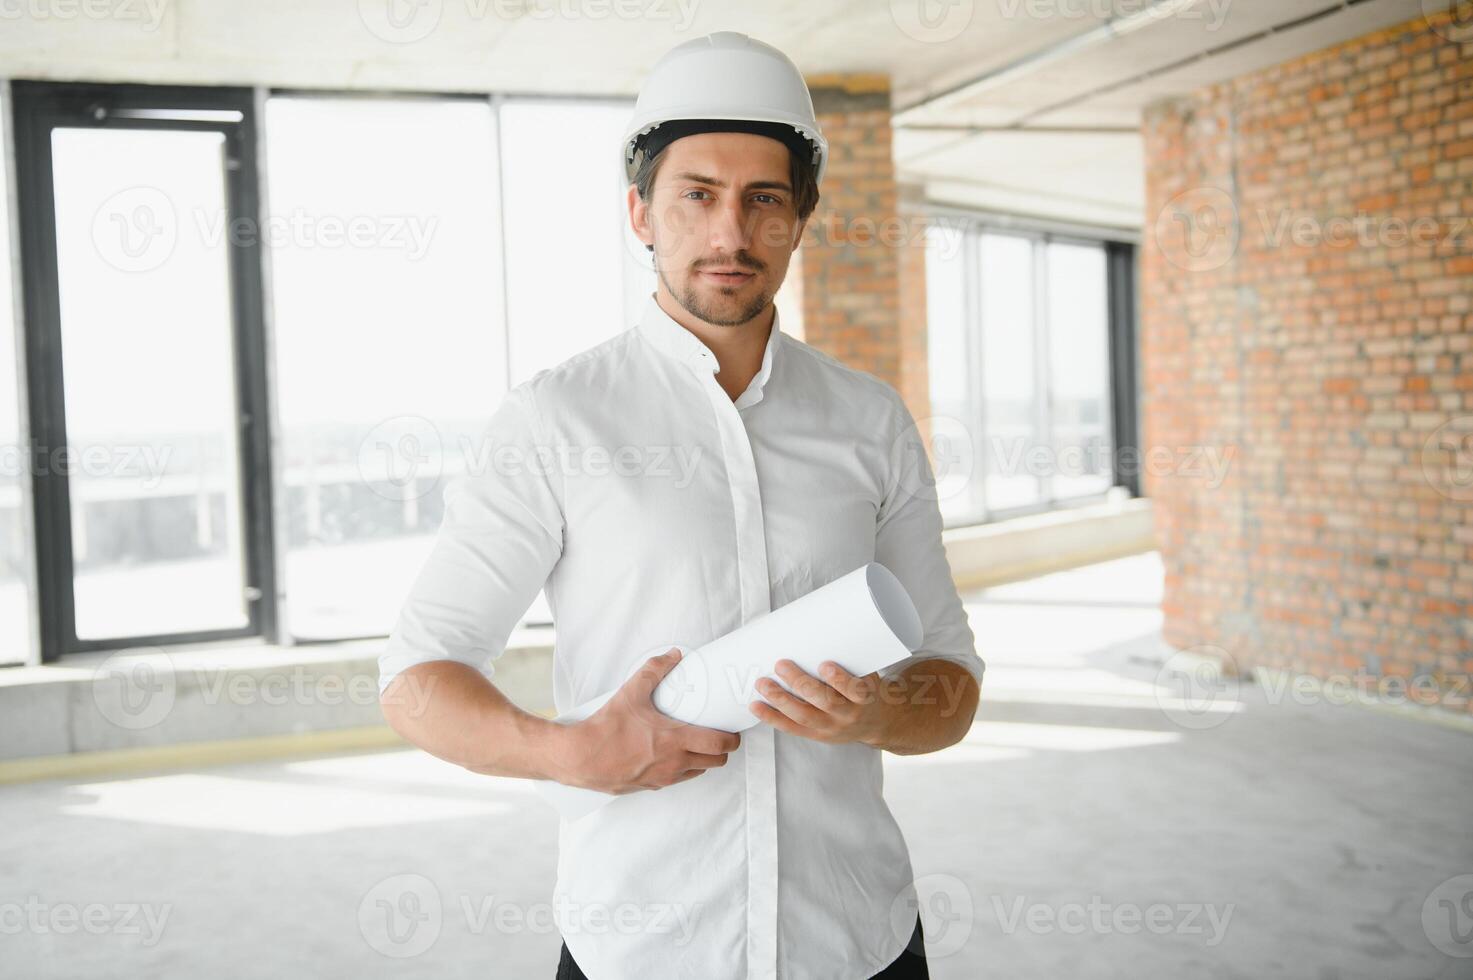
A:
(691, 301)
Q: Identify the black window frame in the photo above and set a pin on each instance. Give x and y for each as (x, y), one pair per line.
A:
(37, 108)
(1121, 256)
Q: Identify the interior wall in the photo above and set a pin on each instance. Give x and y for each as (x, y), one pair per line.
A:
(1307, 396)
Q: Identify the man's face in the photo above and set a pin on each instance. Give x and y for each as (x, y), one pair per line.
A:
(722, 221)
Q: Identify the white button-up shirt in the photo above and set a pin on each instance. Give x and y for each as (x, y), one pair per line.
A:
(657, 511)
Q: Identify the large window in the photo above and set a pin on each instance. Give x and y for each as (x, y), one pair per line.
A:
(144, 371)
(149, 381)
(1023, 350)
(389, 345)
(576, 275)
(269, 373)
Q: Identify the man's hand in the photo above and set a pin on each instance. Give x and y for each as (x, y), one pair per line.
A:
(841, 708)
(630, 745)
(928, 707)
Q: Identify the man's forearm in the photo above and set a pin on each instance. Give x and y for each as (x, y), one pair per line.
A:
(934, 702)
(453, 712)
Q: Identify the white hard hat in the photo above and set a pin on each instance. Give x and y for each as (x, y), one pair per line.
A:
(727, 76)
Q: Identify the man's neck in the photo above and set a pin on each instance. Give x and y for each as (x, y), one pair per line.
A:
(738, 348)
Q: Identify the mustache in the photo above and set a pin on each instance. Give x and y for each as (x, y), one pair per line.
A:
(748, 264)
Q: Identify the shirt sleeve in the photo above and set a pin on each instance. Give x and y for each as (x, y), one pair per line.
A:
(500, 537)
(908, 542)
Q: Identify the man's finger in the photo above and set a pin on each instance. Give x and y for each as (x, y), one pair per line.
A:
(791, 705)
(808, 687)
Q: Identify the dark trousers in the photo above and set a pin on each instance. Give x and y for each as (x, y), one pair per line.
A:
(909, 965)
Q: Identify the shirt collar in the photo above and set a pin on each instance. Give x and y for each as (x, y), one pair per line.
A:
(667, 335)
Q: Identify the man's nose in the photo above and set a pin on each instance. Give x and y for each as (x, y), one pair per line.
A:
(730, 229)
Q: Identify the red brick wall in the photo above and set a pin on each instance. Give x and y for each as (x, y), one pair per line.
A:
(858, 253)
(1307, 282)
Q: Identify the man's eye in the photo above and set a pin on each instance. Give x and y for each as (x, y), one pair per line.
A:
(689, 193)
(770, 198)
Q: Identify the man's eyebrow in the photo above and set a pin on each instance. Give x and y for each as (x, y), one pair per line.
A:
(777, 185)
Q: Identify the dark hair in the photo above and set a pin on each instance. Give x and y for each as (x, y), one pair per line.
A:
(801, 175)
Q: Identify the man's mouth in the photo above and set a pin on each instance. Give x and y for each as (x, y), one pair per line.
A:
(727, 276)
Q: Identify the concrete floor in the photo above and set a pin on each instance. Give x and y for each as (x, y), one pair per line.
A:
(1092, 825)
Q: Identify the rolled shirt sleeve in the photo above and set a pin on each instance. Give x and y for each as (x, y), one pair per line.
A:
(500, 537)
(908, 542)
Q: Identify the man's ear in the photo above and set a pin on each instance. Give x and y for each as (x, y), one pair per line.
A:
(639, 216)
(798, 233)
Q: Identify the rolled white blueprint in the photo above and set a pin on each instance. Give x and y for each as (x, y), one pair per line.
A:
(863, 621)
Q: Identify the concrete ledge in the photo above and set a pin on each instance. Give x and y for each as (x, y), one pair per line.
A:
(152, 698)
(1023, 547)
(192, 754)
(151, 707)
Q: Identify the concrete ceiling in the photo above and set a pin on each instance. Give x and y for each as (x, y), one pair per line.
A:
(1024, 65)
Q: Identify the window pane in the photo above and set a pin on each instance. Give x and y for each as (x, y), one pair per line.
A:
(1008, 372)
(575, 275)
(946, 321)
(15, 597)
(947, 354)
(1079, 369)
(389, 356)
(148, 370)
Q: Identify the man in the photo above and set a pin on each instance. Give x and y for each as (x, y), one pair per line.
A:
(699, 470)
